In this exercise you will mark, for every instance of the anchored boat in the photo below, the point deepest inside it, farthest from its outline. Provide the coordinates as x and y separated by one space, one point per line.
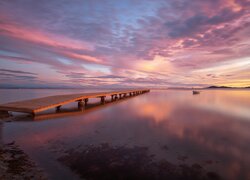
196 92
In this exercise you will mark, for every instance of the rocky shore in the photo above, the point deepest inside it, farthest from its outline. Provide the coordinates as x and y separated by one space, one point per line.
16 165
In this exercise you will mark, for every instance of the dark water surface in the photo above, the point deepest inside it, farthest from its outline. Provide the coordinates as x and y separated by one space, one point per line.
158 135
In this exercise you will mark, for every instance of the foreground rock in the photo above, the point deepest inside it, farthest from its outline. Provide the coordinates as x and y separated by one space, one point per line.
15 164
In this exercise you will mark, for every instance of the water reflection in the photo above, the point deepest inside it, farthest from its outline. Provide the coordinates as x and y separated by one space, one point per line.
210 131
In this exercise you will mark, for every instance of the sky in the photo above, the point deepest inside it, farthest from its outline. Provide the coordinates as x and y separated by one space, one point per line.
125 43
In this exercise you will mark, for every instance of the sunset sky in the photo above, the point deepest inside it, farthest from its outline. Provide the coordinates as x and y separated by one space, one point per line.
124 43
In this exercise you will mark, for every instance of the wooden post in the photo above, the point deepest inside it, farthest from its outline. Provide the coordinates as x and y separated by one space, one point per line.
102 99
112 97
58 108
4 114
86 101
80 103
120 96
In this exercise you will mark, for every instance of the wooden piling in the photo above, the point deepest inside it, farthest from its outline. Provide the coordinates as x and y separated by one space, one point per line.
58 108
102 99
86 101
80 103
4 114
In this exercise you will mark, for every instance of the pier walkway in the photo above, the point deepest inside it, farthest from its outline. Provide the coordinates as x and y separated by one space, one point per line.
34 106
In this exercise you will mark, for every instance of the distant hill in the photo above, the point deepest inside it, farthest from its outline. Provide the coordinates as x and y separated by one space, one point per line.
214 87
217 87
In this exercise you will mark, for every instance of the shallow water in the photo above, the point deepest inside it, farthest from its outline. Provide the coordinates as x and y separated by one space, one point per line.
156 135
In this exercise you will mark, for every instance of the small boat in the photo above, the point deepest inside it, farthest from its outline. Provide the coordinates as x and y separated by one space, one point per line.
196 92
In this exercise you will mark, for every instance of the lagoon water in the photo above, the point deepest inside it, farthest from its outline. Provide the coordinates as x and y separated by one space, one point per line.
164 133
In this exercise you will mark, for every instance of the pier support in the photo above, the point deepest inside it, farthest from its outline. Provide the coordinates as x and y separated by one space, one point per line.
120 96
86 101
114 97
33 114
58 108
80 103
102 99
4 114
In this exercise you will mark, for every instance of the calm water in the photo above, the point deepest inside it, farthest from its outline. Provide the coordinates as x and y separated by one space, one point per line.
156 135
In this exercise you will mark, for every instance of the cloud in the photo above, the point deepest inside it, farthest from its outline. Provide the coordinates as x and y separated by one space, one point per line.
111 77
16 75
96 43
16 72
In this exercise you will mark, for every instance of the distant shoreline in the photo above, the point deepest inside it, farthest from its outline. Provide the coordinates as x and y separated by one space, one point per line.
226 87
210 87
167 88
